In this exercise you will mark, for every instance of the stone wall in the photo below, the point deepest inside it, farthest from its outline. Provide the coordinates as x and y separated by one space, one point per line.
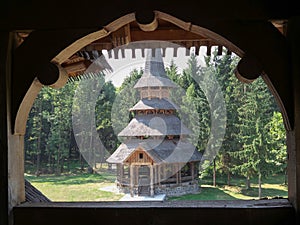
191 187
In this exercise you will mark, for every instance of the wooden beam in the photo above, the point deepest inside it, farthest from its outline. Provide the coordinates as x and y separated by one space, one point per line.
127 33
121 36
236 212
293 37
166 35
5 46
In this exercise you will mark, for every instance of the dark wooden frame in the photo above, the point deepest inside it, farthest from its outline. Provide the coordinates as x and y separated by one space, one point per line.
186 212
240 22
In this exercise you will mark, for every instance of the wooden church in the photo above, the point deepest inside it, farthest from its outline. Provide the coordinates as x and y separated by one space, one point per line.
156 156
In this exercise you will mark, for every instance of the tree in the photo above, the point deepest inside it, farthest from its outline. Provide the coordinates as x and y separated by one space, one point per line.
37 130
255 114
126 97
276 140
223 67
60 133
189 96
103 113
86 115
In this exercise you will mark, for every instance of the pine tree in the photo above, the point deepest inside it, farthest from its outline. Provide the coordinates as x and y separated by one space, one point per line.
58 141
126 97
85 118
276 141
254 115
103 113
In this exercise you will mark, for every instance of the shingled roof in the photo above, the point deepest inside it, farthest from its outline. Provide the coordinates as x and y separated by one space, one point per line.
32 194
154 74
160 125
161 151
155 103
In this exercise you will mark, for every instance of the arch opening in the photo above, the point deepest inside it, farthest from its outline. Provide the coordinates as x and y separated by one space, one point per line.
70 51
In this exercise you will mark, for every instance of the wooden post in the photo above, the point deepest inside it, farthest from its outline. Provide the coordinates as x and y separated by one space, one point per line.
159 174
151 181
176 166
192 170
293 136
131 179
122 170
4 53
15 153
155 174
136 180
164 172
179 173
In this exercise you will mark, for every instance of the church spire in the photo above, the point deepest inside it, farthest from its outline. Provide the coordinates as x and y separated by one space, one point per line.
154 73
154 65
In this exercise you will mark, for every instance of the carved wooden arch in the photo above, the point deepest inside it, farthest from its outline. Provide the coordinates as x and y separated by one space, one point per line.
24 108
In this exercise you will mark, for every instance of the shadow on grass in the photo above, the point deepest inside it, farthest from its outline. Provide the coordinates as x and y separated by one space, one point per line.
206 193
240 181
71 179
266 192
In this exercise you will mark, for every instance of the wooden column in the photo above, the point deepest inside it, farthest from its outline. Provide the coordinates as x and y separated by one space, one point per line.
121 178
155 174
179 173
151 181
15 155
131 180
159 166
5 42
192 170
164 172
176 166
293 136
136 180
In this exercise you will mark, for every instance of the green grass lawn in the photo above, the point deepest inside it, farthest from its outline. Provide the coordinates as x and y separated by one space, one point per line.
87 187
79 187
272 187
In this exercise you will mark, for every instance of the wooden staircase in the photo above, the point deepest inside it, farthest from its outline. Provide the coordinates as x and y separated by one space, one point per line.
144 190
144 187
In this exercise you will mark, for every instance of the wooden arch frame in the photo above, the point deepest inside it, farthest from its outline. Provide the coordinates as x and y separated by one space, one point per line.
58 59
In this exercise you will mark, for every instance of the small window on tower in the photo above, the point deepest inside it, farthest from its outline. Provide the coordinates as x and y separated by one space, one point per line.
141 156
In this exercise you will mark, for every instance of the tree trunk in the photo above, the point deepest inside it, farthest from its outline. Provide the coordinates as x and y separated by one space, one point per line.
90 170
58 160
214 173
38 146
228 178
81 162
259 185
285 177
248 184
38 155
57 170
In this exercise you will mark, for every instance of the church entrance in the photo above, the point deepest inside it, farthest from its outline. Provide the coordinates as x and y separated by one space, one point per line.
144 181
